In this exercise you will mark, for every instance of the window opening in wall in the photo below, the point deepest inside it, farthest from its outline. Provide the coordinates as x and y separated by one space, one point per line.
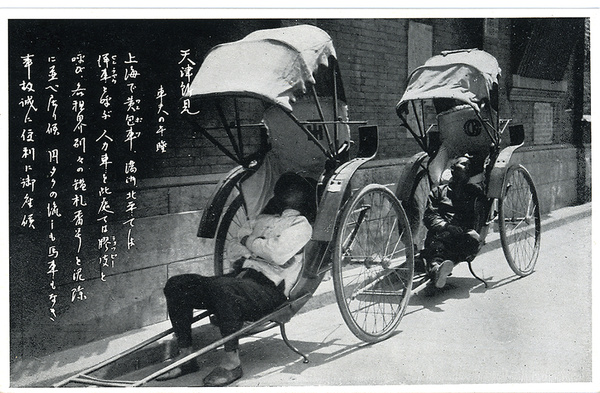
491 28
420 44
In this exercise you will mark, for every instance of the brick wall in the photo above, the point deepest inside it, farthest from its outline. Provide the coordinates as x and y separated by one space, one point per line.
130 296
372 57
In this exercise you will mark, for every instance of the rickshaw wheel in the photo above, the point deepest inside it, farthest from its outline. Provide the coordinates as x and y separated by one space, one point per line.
227 241
373 263
415 208
519 221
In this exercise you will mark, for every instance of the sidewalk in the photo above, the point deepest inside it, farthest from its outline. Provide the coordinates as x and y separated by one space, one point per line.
45 371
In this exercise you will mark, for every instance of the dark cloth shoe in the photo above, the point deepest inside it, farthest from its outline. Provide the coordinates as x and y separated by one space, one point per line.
222 377
186 368
441 272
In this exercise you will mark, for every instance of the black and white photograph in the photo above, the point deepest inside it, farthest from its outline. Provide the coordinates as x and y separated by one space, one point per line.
332 199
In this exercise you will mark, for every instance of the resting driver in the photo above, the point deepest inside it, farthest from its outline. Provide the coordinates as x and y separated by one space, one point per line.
451 218
268 273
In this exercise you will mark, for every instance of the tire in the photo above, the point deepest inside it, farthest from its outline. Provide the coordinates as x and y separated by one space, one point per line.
372 268
415 208
227 241
519 221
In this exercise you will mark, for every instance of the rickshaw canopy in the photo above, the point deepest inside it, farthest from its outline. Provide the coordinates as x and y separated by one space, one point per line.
274 65
465 75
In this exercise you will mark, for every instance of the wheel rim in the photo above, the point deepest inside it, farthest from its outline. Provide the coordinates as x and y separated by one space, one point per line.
520 227
373 269
227 246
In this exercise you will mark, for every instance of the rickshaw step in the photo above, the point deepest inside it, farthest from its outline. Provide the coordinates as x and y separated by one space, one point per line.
381 293
419 281
89 380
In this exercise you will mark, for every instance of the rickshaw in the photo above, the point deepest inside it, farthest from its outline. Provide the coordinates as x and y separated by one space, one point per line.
451 108
274 102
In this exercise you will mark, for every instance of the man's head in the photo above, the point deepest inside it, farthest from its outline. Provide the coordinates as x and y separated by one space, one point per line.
292 191
461 170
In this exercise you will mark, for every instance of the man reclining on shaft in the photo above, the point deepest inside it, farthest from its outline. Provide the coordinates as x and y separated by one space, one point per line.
451 217
275 260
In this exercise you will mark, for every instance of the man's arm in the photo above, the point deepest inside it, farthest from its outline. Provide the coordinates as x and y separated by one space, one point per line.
432 217
281 248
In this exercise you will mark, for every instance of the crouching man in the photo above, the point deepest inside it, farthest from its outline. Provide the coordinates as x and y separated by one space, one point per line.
451 216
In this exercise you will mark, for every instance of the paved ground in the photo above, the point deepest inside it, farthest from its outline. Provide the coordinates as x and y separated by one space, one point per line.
534 330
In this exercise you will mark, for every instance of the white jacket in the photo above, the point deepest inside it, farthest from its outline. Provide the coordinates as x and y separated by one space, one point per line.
275 244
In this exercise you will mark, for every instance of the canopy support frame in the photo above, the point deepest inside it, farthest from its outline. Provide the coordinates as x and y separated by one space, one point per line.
419 138
238 125
215 142
322 116
234 144
335 109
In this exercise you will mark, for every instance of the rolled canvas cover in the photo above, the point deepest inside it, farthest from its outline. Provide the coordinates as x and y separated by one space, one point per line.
274 65
465 75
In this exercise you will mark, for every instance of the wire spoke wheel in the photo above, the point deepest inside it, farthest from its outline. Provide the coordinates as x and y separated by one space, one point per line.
373 264
519 221
227 245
